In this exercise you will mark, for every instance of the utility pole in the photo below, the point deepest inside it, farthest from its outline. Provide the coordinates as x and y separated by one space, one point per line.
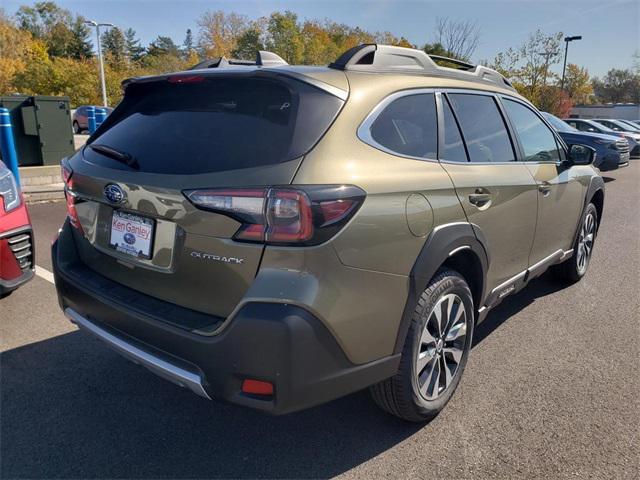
102 82
566 49
547 59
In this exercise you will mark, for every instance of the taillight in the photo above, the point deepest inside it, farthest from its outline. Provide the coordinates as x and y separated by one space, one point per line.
66 172
306 215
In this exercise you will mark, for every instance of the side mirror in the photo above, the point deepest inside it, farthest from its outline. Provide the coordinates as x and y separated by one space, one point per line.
581 154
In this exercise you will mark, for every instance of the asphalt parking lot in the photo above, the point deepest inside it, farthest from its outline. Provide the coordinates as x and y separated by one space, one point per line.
551 390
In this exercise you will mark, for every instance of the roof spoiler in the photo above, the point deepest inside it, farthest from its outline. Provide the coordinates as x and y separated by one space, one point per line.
263 59
372 57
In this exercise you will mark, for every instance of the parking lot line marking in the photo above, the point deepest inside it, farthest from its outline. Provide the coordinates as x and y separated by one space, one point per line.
45 274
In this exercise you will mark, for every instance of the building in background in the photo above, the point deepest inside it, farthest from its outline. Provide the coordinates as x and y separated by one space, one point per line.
626 111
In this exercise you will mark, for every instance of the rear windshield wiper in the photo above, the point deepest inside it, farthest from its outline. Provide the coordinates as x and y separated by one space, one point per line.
115 154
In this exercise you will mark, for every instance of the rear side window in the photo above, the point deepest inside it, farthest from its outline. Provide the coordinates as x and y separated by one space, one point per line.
483 128
216 124
408 126
453 148
537 141
611 125
583 127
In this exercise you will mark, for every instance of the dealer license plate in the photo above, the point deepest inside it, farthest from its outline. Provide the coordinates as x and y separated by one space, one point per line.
131 234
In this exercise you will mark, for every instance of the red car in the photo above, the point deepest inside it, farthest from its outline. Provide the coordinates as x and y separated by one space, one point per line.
17 264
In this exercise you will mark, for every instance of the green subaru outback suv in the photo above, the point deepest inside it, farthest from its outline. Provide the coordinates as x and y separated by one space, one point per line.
279 236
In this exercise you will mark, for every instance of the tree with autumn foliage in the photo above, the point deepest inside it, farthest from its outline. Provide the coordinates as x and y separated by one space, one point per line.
577 84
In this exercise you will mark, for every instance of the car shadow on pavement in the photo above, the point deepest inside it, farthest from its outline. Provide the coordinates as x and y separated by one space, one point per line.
72 408
542 286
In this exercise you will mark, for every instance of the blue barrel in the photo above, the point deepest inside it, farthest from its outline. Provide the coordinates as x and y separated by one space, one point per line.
91 119
7 144
101 114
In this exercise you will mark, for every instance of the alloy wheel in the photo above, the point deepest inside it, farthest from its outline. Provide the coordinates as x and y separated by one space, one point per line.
441 347
585 242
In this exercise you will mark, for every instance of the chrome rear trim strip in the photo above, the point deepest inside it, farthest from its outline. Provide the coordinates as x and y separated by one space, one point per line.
155 364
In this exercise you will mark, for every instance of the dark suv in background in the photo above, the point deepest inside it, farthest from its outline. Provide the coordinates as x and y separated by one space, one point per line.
278 236
593 126
612 151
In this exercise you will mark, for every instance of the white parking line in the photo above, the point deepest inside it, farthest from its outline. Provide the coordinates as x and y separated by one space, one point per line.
45 274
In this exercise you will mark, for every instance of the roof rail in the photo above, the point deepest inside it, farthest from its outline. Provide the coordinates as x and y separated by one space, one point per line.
263 59
391 59
455 61
269 59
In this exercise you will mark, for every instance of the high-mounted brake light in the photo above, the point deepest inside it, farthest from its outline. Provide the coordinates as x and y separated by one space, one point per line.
185 79
307 215
66 172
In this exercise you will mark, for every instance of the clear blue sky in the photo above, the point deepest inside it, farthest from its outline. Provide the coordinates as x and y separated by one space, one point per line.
610 28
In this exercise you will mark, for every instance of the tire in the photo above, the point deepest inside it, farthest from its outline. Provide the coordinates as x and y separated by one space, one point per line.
573 269
76 128
5 295
416 393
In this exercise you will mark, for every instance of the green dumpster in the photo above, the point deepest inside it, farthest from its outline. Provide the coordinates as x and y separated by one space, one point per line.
41 127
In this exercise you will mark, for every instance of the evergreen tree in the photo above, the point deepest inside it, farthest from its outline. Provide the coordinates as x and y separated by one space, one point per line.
135 51
114 45
80 46
163 46
187 46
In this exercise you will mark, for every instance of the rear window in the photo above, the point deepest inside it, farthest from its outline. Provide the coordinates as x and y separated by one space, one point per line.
408 126
220 123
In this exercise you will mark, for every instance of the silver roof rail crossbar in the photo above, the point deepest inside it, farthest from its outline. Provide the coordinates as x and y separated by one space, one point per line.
391 59
455 61
269 59
374 57
263 59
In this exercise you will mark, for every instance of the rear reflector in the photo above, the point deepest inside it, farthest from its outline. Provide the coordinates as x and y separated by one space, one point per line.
306 215
257 387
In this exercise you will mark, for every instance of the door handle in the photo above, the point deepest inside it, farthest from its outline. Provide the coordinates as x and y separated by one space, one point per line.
480 198
544 188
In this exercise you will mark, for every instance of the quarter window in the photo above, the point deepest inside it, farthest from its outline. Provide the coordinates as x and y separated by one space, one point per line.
483 128
537 141
453 148
408 126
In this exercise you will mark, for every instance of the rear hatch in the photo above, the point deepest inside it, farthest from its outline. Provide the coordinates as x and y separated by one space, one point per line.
174 134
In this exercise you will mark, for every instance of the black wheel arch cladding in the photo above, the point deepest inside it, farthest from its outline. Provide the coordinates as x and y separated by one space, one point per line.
434 254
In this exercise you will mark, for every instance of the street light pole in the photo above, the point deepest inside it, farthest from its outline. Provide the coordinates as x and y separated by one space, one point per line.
102 81
566 49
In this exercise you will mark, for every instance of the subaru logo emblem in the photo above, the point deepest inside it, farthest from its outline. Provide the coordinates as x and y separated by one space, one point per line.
113 193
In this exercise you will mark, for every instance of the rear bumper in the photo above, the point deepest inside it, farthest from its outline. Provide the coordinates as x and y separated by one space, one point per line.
274 342
7 286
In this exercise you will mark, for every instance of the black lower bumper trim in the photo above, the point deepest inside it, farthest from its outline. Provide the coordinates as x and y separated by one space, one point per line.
7 286
278 343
